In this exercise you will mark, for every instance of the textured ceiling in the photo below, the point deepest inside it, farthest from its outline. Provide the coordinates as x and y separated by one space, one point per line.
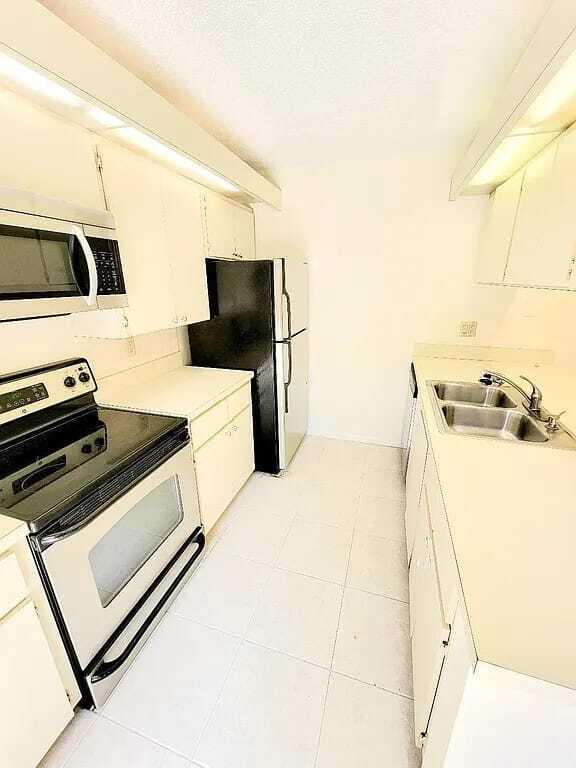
306 82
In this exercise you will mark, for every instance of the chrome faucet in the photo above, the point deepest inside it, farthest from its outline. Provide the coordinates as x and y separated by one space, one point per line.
533 399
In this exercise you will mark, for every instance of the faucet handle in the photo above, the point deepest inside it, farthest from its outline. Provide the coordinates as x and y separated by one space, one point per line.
552 424
535 395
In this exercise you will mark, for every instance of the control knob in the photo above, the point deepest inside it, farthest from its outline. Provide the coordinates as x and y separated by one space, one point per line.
84 377
86 448
69 381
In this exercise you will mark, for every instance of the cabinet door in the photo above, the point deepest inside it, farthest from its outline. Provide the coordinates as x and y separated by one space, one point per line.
448 577
430 633
223 465
415 477
183 221
498 230
244 238
458 665
219 227
544 236
133 187
42 153
34 708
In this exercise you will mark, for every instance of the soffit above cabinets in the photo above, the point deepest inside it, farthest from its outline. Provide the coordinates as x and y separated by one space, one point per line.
537 104
49 62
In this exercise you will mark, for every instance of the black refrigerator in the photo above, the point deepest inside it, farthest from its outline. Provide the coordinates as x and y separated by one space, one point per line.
259 322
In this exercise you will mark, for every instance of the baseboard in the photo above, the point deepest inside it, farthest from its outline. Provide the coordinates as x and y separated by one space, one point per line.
367 439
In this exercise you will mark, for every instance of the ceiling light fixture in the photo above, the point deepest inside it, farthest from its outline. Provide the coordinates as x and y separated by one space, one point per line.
36 82
105 119
556 96
155 147
511 155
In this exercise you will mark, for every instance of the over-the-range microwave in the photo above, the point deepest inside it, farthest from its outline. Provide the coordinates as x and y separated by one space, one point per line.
56 258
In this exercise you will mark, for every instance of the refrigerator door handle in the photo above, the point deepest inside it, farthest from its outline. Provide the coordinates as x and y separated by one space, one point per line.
286 295
287 383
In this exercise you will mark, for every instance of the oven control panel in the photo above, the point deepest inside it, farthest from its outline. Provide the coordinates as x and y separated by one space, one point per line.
33 391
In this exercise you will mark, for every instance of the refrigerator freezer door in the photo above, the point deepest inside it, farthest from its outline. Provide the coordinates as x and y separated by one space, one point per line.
292 387
290 297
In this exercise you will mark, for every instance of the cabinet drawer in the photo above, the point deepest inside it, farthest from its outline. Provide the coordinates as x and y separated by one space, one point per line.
448 577
209 423
239 400
12 585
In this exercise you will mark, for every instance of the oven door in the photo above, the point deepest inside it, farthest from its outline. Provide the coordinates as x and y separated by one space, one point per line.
47 267
100 571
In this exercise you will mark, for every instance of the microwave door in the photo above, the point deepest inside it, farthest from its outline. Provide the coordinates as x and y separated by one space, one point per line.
46 267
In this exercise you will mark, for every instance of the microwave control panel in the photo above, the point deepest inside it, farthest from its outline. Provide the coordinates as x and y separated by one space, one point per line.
34 391
108 266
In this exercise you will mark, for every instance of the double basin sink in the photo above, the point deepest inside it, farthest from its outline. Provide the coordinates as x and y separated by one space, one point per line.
491 411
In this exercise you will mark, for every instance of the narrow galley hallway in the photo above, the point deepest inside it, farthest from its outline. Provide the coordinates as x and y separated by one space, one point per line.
289 647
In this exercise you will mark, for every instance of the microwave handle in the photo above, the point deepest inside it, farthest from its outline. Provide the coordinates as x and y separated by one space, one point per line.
90 263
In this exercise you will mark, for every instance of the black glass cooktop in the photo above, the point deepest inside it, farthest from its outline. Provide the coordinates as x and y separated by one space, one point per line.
44 472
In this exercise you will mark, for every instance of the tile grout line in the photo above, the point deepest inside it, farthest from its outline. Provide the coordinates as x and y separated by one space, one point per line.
317 754
80 741
144 736
236 655
216 702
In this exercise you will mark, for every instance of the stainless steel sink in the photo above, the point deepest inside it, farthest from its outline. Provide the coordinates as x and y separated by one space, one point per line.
505 424
478 394
482 410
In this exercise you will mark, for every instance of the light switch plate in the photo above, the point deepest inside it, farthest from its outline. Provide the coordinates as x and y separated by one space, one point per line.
467 328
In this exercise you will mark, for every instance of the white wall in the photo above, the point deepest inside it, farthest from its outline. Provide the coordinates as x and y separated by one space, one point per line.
392 263
30 343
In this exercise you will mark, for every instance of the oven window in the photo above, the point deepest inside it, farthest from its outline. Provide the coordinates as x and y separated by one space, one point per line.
39 264
135 537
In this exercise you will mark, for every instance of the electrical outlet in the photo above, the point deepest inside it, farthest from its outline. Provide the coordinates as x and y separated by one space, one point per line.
467 328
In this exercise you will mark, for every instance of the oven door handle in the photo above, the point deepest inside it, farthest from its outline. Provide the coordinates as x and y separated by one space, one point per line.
106 668
90 263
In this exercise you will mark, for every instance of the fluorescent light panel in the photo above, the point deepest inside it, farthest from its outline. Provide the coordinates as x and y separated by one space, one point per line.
33 80
558 96
155 147
28 77
105 119
511 155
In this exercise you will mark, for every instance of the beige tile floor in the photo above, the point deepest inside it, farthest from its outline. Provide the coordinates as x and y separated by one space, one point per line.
289 646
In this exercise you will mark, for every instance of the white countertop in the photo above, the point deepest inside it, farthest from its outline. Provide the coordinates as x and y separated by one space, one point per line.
185 391
512 514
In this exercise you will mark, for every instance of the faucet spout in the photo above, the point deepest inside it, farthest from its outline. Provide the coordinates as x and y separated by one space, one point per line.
533 399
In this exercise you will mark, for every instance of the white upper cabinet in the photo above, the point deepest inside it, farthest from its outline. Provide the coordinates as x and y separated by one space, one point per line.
133 187
530 233
244 238
544 240
228 228
498 229
42 153
183 222
159 223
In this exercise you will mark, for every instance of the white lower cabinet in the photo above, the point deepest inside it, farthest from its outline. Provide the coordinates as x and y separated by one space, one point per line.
428 629
458 665
415 477
34 708
467 712
225 460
